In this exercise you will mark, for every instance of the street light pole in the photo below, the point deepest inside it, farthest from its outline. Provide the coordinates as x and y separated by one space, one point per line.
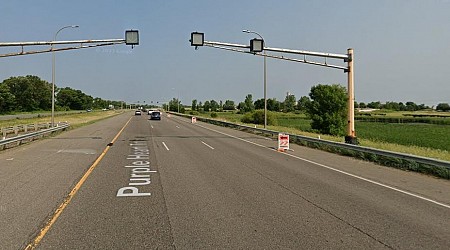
53 72
265 77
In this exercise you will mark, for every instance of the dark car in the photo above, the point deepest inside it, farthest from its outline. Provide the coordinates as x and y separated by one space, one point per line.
155 115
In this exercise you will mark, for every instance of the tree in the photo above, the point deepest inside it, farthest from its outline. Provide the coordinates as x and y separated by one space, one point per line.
259 104
248 104
206 106
174 104
229 105
392 106
30 92
273 105
194 105
73 99
214 106
241 106
411 106
303 103
7 100
289 103
328 109
443 107
374 105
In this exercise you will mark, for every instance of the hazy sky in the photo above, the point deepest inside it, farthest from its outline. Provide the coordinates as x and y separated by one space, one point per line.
402 47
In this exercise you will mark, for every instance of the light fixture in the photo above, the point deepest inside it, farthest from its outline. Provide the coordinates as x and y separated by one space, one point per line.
197 39
132 37
256 45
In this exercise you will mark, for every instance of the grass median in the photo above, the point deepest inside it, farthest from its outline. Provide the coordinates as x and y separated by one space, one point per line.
75 120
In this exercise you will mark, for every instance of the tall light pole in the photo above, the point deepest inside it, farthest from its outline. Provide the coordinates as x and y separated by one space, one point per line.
53 72
265 76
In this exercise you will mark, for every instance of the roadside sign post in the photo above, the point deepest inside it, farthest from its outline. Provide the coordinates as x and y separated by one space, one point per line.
283 142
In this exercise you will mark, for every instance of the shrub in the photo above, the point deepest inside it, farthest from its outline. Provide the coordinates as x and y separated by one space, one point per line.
257 117
213 114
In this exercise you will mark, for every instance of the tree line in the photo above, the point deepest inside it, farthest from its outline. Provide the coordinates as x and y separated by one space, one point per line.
326 106
291 104
30 93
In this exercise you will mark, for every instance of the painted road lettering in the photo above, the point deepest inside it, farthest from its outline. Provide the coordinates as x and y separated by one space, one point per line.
139 170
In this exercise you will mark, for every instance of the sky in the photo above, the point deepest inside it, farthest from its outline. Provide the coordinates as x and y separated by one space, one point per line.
401 47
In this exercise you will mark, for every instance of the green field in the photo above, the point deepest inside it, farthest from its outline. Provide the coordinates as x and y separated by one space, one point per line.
422 135
409 134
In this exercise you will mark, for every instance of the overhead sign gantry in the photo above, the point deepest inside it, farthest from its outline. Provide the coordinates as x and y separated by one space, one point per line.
257 46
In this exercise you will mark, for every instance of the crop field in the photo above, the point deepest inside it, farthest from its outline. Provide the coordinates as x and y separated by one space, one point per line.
424 135
300 123
408 134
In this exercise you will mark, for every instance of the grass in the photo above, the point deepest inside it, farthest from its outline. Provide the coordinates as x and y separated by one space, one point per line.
407 134
75 120
427 140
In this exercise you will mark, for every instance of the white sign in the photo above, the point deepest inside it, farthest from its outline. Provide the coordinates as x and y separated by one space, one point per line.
283 142
194 119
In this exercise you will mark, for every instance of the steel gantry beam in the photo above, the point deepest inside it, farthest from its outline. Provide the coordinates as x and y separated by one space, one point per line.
82 45
197 39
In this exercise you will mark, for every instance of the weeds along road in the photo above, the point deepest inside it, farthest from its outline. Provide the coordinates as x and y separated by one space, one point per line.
171 184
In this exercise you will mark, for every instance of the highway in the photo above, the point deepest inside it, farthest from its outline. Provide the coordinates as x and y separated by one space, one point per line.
131 183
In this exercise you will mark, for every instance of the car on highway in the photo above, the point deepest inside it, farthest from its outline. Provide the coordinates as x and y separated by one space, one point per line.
155 115
137 112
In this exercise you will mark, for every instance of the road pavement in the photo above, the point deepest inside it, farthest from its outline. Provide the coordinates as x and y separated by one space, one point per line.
171 184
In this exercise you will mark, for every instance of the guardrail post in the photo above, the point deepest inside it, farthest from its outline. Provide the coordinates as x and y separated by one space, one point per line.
16 130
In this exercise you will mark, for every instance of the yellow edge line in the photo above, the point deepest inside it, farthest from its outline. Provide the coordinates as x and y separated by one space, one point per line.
72 193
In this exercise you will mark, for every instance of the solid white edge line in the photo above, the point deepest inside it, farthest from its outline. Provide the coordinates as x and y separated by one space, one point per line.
165 146
204 143
337 170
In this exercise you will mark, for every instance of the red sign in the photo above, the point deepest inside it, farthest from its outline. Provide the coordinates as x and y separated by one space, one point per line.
283 142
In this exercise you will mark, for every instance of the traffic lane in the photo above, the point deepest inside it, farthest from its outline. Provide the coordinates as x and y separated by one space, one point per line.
220 205
436 219
214 204
416 183
37 176
346 200
97 218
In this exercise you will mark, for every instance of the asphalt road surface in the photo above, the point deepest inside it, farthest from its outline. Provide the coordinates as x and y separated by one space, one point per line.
131 183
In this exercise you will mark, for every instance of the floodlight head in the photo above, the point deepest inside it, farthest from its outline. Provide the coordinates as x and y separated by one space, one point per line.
197 39
256 45
132 37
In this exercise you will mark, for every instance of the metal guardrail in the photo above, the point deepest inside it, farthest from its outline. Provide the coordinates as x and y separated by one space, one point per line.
4 132
340 145
19 139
